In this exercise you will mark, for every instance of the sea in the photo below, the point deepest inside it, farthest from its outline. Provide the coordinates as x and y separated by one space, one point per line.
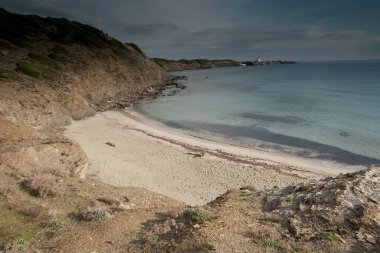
320 110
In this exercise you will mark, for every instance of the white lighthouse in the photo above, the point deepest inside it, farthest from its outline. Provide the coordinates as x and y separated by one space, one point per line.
258 60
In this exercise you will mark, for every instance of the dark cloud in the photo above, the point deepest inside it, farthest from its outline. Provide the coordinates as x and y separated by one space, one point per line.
241 29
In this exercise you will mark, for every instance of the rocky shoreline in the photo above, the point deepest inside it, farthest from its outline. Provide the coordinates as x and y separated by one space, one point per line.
151 92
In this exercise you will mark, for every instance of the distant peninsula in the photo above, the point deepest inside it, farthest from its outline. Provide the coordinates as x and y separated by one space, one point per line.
184 64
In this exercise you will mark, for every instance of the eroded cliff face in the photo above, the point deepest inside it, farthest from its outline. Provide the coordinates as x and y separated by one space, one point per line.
53 71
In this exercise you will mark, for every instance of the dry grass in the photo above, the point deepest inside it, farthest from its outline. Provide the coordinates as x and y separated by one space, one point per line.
33 211
46 182
108 201
272 218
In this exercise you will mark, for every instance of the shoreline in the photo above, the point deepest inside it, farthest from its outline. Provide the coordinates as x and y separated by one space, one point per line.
125 149
224 149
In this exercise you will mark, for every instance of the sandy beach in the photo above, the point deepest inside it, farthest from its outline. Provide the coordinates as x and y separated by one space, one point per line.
127 149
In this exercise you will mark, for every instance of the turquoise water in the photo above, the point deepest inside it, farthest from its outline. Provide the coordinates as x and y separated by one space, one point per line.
327 110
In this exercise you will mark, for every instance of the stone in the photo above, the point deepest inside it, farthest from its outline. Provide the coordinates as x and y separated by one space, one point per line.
370 238
359 236
196 226
246 191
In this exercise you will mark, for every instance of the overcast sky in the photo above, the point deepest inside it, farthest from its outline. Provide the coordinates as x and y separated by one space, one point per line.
237 29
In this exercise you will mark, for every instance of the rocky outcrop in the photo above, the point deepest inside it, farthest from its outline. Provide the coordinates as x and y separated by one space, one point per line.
178 65
347 206
333 215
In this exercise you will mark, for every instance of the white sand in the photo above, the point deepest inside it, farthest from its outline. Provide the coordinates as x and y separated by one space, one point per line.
150 155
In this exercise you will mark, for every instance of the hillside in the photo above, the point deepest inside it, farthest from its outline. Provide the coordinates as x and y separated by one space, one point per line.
54 71
178 65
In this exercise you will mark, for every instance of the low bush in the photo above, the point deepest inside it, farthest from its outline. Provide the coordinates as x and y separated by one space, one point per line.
28 69
94 214
5 73
58 57
54 224
42 59
270 243
199 214
45 182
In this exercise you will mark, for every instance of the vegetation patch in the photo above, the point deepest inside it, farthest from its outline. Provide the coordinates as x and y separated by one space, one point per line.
34 71
5 73
199 214
54 224
58 57
210 247
59 53
70 32
16 226
45 183
330 236
48 73
28 69
42 59
270 243
94 214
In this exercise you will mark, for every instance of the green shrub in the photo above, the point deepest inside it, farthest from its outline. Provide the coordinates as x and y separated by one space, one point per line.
199 214
330 236
21 243
5 73
35 71
41 59
48 73
54 224
58 57
210 247
94 214
269 243
28 69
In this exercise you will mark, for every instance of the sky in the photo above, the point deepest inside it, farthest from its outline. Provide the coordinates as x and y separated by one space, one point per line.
299 30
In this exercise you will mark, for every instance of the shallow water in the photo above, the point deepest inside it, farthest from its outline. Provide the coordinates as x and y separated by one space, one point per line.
327 110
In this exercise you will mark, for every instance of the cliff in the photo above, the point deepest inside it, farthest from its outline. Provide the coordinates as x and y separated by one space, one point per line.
178 65
64 69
